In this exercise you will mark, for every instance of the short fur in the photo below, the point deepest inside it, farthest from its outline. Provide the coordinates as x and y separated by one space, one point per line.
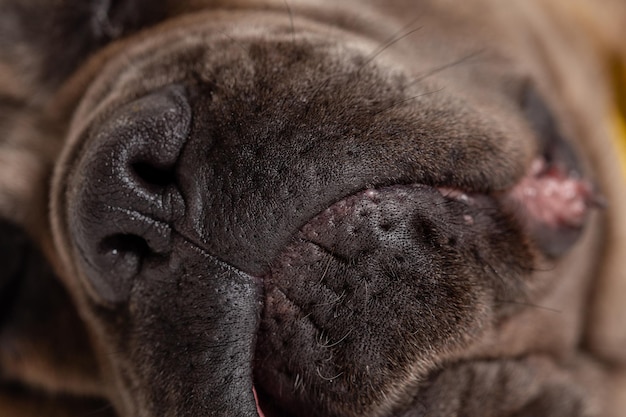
202 197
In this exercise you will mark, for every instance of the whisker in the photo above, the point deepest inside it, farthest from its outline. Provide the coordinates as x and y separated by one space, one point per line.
330 345
393 39
320 87
326 378
400 102
293 28
335 301
444 67
526 304
233 40
325 269
396 37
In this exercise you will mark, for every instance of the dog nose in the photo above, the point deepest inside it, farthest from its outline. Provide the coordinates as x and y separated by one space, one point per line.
125 191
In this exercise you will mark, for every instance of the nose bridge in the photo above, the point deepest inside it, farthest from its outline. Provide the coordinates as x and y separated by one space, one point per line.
248 189
257 167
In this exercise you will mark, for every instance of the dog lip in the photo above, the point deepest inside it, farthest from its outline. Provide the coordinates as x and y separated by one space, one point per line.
256 400
385 221
265 408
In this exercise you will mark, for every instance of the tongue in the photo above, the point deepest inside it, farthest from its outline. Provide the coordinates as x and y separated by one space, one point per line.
556 203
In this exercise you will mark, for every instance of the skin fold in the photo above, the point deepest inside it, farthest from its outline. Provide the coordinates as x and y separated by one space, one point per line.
311 208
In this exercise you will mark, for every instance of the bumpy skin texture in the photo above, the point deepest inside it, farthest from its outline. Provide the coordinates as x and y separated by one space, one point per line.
299 208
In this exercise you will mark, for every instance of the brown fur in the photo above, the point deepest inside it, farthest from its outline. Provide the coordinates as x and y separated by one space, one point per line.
556 349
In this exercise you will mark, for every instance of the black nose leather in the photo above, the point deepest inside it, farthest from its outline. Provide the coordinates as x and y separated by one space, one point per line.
126 196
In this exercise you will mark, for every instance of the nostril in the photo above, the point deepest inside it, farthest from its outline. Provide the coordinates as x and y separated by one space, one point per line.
123 196
152 175
124 254
119 258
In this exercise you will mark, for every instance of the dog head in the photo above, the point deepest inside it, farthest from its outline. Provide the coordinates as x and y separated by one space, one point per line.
295 213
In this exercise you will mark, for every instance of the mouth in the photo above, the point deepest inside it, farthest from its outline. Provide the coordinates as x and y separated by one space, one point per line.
259 410
549 206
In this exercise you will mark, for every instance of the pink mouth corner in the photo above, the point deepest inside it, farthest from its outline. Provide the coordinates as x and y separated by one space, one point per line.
256 400
554 197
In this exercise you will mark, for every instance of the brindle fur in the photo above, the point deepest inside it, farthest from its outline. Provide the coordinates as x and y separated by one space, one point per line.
526 336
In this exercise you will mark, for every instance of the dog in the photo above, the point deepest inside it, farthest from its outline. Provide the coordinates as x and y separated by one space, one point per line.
312 208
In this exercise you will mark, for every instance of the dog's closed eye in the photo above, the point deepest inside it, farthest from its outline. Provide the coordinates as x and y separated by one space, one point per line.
555 196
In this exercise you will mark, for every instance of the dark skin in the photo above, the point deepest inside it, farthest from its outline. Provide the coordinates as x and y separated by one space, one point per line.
232 211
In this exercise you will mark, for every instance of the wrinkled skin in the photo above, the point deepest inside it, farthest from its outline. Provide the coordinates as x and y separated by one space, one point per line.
289 211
